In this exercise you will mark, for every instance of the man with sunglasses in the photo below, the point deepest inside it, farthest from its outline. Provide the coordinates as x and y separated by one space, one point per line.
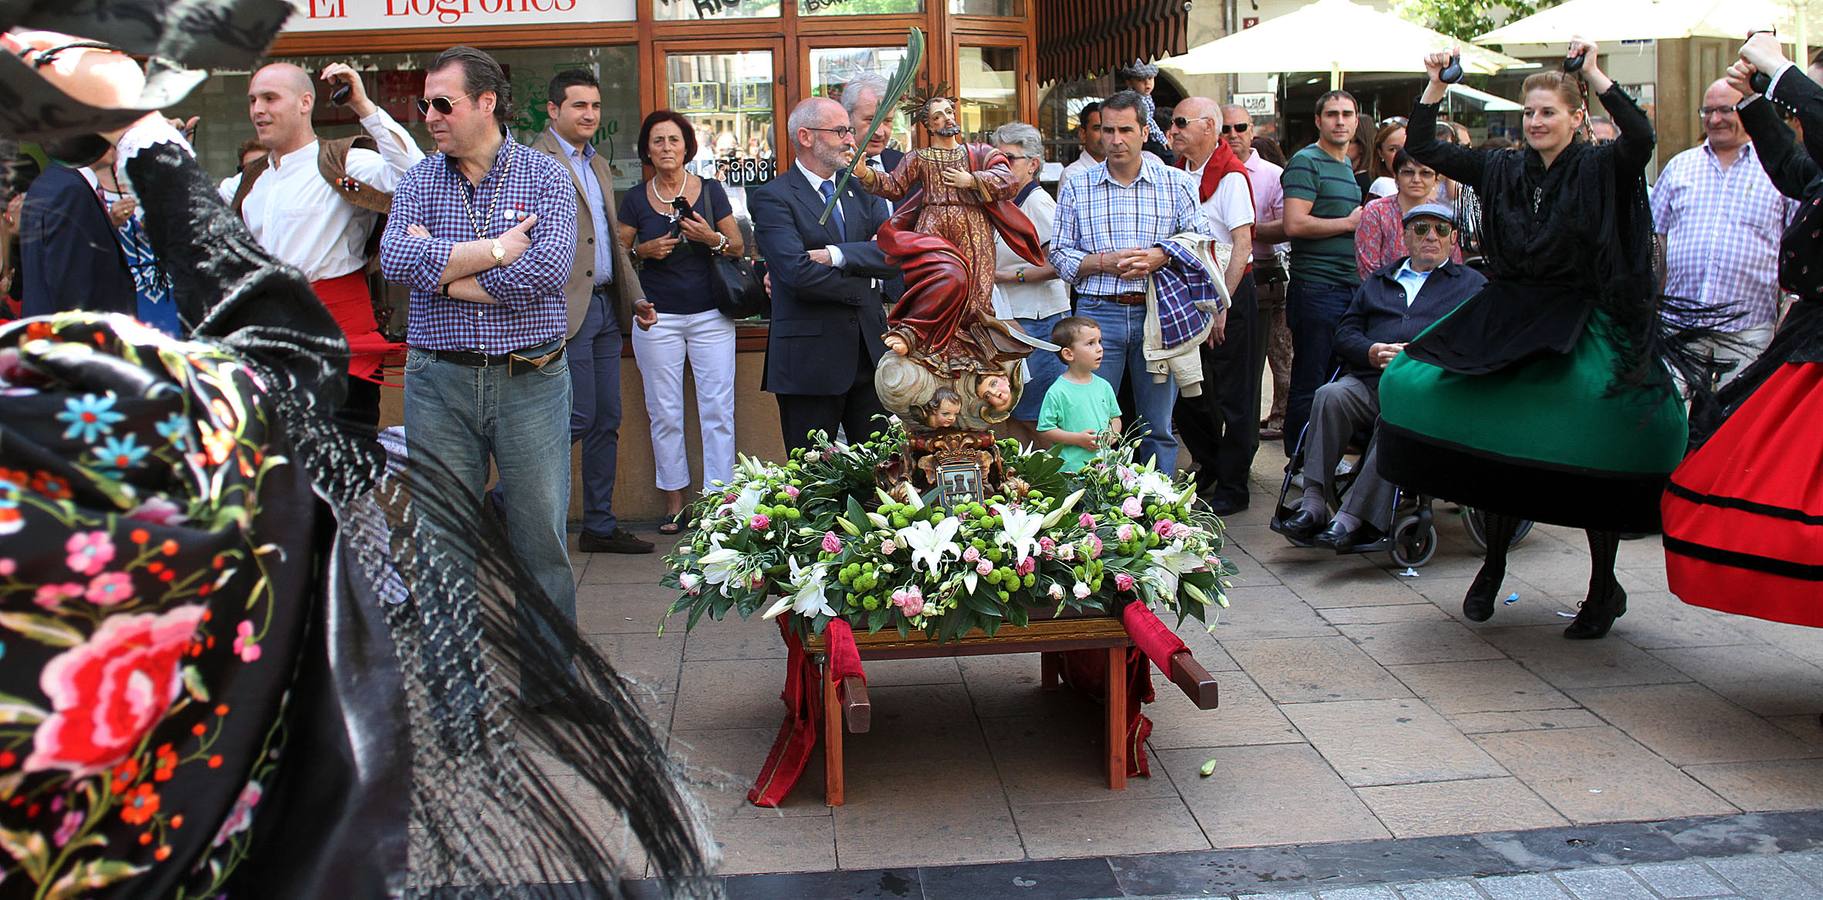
1269 254
485 233
1389 309
1221 426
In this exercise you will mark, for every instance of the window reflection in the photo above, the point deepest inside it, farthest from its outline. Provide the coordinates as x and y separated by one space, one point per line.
987 7
832 69
989 88
713 10
858 7
728 98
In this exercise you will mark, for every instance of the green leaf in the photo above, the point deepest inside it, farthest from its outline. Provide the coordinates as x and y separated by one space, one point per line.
982 605
29 849
193 682
93 874
856 512
877 618
43 629
19 711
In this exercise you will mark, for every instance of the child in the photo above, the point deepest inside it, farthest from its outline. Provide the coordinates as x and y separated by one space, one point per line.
1079 411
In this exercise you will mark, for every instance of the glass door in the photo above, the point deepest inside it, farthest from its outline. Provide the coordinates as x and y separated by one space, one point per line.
731 95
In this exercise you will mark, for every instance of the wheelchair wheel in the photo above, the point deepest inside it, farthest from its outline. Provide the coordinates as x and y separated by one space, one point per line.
1474 521
1414 542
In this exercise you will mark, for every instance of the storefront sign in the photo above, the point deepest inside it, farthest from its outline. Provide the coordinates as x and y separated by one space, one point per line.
1262 104
349 15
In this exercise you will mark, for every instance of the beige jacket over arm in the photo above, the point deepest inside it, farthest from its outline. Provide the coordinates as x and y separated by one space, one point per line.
582 272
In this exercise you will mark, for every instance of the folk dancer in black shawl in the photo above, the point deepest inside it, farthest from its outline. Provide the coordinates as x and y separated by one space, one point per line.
1744 513
1544 397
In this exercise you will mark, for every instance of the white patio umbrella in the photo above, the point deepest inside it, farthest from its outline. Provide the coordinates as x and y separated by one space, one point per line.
1336 36
1638 20
1483 99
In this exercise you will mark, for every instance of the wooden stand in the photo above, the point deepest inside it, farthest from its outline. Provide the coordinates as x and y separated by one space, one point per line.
847 704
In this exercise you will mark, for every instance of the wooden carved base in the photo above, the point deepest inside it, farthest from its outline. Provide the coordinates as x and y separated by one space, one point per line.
960 465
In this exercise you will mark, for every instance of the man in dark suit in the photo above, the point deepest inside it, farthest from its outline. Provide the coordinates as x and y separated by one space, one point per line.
68 252
827 303
861 100
1389 308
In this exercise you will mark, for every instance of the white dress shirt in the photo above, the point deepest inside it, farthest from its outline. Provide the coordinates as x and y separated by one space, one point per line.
1230 207
300 218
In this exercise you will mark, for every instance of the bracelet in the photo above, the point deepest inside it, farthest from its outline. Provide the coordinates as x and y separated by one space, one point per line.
723 245
1019 275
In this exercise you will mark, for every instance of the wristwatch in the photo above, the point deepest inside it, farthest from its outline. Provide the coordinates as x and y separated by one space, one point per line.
499 252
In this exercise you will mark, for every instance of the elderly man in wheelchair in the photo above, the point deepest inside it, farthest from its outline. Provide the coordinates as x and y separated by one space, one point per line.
1391 307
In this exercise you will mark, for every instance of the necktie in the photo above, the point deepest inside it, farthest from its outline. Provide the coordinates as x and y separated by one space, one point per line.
828 191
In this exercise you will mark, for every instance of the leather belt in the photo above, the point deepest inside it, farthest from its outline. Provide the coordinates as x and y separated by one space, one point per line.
477 360
1131 298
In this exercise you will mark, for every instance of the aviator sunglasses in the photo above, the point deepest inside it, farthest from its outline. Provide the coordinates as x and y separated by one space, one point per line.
1423 229
443 105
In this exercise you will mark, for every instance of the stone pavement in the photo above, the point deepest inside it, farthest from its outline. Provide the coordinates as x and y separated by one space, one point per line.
1357 705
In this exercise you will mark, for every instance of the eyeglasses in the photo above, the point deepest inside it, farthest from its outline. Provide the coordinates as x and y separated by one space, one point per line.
1707 111
443 105
1409 172
843 131
1181 123
1423 229
1236 128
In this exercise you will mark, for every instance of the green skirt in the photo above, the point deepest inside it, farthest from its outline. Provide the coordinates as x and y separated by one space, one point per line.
1546 438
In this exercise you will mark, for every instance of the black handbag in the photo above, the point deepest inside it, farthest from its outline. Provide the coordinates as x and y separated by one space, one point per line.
738 291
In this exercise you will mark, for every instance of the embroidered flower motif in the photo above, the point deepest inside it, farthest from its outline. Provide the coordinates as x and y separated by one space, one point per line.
72 821
244 644
218 443
120 452
107 692
158 511
139 805
11 519
89 417
176 430
241 815
110 589
89 552
52 486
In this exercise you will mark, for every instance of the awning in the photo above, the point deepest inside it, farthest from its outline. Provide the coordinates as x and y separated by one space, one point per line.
1080 38
1482 99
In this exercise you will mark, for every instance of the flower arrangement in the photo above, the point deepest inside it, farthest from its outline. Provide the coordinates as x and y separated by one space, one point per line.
815 536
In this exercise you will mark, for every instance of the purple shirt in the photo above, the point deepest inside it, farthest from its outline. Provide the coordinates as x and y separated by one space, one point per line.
531 308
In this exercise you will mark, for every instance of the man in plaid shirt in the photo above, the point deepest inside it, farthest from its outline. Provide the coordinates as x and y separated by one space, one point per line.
1111 216
484 232
1719 218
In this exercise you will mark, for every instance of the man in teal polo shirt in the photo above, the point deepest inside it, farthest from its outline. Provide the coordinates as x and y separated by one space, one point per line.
1322 208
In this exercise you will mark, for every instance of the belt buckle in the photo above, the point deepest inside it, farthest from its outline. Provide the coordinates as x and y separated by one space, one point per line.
514 361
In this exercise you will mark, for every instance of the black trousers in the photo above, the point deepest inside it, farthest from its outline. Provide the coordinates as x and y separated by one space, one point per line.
854 411
1221 428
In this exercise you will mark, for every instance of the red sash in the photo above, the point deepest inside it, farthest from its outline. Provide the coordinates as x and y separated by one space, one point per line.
1222 164
348 301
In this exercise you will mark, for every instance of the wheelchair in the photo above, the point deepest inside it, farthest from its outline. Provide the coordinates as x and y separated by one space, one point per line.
1412 541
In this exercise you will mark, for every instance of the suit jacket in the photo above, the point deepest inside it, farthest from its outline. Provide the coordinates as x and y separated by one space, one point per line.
582 272
826 322
890 157
1788 165
69 253
1378 315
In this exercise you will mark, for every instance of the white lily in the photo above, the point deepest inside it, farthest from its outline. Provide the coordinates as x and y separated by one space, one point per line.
720 564
745 503
1156 484
807 597
1018 531
1056 515
931 543
1171 562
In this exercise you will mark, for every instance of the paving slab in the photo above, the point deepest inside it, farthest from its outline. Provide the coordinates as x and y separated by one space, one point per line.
1372 742
1600 775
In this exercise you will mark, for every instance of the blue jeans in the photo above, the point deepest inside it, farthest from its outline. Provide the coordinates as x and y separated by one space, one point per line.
1043 365
1311 311
594 356
1123 342
462 415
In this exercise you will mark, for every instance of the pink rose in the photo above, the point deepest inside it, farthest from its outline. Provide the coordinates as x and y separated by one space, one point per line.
1086 520
241 815
110 589
729 498
1047 546
759 522
1094 546
1163 527
108 692
51 596
791 491
1123 581
831 543
970 555
90 552
1179 531
983 567
1132 508
1026 566
910 601
1056 591
1125 532
244 644
1081 591
888 548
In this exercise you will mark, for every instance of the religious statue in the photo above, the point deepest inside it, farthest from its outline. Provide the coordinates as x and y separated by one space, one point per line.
952 198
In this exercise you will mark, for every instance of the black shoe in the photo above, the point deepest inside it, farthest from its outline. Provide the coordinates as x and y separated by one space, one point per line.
621 541
1341 541
1596 616
1300 527
1478 605
1223 506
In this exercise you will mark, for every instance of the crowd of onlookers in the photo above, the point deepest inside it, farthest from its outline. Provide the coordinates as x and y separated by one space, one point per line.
526 270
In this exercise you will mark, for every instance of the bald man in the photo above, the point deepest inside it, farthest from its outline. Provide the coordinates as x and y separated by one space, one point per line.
321 228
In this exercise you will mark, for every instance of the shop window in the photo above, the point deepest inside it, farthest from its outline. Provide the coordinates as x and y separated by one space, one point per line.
987 7
989 88
714 10
395 81
729 98
831 69
858 7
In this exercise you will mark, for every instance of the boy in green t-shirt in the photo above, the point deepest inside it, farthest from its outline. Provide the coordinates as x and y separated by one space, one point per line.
1079 411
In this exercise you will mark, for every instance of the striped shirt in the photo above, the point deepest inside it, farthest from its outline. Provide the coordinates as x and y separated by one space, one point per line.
1331 189
1096 214
531 308
1722 233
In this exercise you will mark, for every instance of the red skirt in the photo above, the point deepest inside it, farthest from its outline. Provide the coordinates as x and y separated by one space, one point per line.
349 302
1744 513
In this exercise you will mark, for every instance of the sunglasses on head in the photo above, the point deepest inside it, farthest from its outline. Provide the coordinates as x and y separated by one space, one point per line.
1423 229
443 105
1236 128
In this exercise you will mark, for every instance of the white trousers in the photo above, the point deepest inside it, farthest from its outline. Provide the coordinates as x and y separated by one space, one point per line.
706 340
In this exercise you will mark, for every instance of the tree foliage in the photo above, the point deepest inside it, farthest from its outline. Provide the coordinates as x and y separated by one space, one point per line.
1464 19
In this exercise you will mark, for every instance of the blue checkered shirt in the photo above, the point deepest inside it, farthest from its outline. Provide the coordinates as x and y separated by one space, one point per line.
1722 233
531 308
1096 214
1185 293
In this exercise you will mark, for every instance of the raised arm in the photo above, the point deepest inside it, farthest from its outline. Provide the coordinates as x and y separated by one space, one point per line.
1464 164
892 185
1791 171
